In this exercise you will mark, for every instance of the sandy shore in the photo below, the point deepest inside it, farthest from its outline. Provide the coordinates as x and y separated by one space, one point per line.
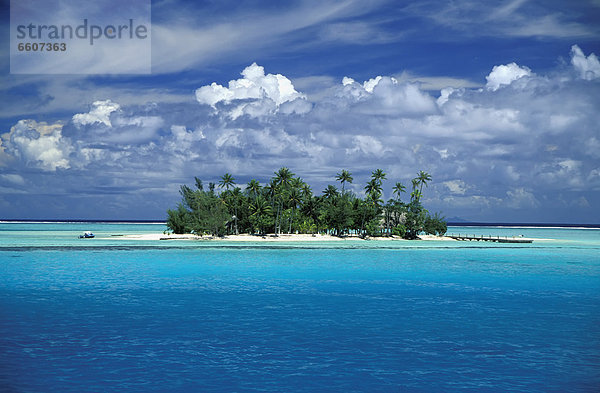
267 238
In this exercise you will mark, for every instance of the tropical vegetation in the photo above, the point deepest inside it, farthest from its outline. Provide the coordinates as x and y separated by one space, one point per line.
286 204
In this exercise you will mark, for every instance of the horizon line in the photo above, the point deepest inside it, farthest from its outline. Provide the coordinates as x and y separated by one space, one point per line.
163 221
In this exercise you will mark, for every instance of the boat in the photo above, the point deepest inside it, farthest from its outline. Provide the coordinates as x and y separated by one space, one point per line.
87 235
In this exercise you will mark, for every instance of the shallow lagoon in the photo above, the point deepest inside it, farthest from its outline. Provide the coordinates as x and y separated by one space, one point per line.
109 314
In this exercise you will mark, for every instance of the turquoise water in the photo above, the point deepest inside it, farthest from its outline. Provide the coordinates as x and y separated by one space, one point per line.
108 314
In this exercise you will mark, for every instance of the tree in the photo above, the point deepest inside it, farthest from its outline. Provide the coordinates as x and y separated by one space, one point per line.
435 225
199 184
378 175
283 176
233 200
373 187
227 181
177 219
311 208
423 178
294 198
330 192
253 188
398 189
338 213
282 179
260 211
415 194
287 201
415 219
344 177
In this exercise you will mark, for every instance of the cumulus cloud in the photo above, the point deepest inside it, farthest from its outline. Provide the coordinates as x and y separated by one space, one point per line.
106 122
366 145
386 95
38 144
520 198
254 86
588 67
99 113
486 148
13 178
503 75
456 187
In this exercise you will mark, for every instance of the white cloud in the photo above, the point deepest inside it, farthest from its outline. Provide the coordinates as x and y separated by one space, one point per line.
347 81
385 95
456 187
476 142
186 42
106 122
366 144
254 85
38 144
519 198
588 67
563 172
371 83
99 113
503 75
13 178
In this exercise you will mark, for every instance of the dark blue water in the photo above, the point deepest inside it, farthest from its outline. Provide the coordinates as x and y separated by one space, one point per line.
380 318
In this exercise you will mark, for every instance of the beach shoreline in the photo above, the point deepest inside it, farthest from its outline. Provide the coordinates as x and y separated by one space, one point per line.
269 238
288 238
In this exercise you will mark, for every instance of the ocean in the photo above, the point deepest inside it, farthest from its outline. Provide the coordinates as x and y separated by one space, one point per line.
115 315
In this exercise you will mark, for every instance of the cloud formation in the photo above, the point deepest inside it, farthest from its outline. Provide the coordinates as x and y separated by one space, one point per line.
99 113
256 94
525 142
38 145
588 67
503 75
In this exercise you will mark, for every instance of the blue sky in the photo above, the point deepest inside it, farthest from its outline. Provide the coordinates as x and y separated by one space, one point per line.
497 101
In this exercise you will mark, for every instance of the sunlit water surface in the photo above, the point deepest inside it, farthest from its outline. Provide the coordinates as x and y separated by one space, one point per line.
108 314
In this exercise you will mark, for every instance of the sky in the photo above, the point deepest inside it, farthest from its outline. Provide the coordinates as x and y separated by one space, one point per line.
498 101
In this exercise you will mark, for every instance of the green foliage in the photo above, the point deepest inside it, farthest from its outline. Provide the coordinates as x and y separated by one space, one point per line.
177 219
337 213
435 225
286 204
399 230
373 228
307 226
414 219
260 215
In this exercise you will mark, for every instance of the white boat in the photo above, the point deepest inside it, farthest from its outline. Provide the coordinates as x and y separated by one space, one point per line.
87 235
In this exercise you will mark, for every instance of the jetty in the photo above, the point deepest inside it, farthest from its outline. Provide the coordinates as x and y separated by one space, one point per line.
497 239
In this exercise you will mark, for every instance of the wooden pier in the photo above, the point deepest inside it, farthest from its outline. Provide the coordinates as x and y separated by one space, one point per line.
496 239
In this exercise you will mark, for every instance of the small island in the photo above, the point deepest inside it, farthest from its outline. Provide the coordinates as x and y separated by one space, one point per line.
286 205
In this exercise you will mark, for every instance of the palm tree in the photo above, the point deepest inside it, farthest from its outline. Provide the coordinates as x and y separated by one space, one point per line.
378 175
271 189
306 191
344 177
296 182
258 210
330 192
295 198
282 178
415 194
398 189
423 178
236 194
253 187
199 184
227 181
373 187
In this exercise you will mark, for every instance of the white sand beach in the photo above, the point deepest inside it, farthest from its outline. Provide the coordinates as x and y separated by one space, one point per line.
267 237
